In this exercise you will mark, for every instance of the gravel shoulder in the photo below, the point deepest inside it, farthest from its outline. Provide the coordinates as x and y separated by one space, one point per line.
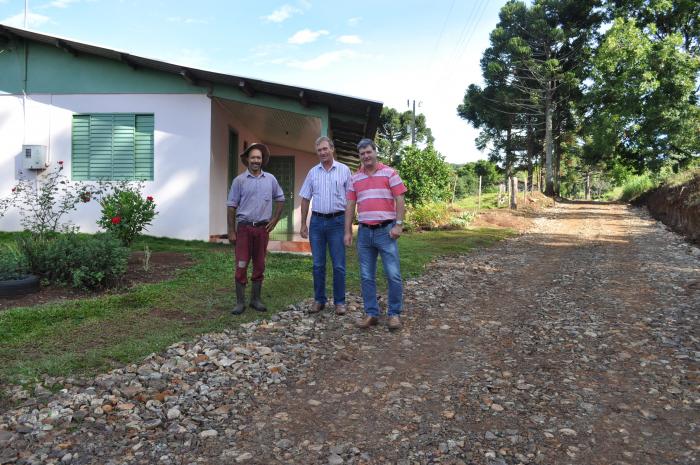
575 343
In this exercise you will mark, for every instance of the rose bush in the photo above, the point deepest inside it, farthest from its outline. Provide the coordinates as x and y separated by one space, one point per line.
125 212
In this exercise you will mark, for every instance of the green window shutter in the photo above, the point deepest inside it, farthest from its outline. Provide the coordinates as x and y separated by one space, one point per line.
123 128
112 146
143 150
80 141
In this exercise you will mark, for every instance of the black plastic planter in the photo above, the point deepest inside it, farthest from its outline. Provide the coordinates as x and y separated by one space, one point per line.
16 287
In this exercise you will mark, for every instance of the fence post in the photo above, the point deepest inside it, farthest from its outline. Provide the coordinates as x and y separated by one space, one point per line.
514 193
479 193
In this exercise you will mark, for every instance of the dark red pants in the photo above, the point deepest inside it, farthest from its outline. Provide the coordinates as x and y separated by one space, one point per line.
251 244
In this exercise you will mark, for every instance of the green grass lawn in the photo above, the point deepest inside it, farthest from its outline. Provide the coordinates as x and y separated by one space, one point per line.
488 201
90 335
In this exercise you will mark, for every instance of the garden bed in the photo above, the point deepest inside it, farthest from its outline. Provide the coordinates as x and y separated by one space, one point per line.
163 266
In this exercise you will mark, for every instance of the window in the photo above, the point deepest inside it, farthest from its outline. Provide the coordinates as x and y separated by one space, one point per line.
112 147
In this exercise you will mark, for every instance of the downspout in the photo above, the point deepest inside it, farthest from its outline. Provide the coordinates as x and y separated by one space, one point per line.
24 92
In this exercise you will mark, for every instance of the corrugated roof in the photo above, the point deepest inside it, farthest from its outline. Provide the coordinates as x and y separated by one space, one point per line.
351 118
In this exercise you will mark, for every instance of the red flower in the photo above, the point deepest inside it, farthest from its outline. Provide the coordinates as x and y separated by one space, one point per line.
149 198
85 197
116 220
60 162
14 189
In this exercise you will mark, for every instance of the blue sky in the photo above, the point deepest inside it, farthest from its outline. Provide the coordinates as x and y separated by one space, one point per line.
391 51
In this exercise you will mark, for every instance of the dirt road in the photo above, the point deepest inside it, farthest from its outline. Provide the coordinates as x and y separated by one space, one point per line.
576 343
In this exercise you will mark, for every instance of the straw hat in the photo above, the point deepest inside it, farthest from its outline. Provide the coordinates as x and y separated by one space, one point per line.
262 147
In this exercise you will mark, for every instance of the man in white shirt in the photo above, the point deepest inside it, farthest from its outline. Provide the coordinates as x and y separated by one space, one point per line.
325 190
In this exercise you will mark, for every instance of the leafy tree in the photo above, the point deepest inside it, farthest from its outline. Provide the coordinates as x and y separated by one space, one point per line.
426 175
643 97
394 132
532 70
468 177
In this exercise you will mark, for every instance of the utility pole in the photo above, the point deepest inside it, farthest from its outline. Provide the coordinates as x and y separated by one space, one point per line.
26 7
413 122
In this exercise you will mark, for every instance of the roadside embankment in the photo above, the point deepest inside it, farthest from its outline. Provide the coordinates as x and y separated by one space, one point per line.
677 206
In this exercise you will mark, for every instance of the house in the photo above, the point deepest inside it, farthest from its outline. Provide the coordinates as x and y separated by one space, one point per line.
112 115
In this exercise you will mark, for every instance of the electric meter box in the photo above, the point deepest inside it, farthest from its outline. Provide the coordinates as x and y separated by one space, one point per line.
34 157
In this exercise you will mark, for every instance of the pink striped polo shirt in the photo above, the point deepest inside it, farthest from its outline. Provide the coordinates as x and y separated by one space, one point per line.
375 194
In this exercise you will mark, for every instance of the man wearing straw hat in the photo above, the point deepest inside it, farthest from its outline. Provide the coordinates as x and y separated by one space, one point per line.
250 220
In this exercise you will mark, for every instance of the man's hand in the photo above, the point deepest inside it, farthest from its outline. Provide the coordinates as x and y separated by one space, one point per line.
232 236
347 240
271 225
304 232
396 231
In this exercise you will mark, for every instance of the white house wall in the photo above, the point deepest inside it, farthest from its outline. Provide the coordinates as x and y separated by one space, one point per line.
181 150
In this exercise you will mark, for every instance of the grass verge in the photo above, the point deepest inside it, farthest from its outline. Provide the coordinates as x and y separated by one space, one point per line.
86 336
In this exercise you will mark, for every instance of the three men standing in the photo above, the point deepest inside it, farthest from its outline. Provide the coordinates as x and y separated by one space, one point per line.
325 189
333 193
250 220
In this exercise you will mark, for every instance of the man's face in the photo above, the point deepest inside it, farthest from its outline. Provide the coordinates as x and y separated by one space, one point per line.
324 151
368 156
255 159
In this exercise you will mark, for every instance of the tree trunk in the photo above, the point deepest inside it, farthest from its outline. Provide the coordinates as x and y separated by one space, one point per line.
548 148
530 152
588 185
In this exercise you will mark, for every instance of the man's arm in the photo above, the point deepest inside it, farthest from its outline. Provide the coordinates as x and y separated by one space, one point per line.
349 215
400 202
231 221
304 214
275 216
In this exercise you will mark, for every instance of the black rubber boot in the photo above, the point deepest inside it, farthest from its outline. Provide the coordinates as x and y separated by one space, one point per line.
240 299
255 297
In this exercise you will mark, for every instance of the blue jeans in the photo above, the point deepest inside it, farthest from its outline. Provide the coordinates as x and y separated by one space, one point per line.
328 233
370 243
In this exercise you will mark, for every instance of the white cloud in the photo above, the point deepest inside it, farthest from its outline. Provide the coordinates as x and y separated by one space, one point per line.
350 39
306 36
354 21
322 61
61 3
177 19
281 14
34 20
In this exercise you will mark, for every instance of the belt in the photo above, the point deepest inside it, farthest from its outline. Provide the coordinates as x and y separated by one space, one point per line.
378 225
254 224
328 215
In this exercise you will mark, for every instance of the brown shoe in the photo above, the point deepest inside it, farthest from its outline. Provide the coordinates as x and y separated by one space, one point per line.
317 307
367 321
394 323
340 309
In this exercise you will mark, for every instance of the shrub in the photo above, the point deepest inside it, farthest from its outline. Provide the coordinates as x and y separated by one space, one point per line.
426 175
126 213
461 220
81 261
636 186
13 265
44 203
431 215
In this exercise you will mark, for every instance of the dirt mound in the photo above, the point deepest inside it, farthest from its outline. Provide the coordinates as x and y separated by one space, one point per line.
678 207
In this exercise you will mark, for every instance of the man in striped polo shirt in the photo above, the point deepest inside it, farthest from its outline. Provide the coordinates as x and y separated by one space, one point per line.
324 189
378 192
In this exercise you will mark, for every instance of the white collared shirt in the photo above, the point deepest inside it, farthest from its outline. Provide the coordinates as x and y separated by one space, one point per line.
327 189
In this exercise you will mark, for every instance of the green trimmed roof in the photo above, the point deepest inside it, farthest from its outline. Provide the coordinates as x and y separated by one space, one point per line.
349 118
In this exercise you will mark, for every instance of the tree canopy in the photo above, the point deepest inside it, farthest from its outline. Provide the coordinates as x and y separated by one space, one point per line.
561 95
